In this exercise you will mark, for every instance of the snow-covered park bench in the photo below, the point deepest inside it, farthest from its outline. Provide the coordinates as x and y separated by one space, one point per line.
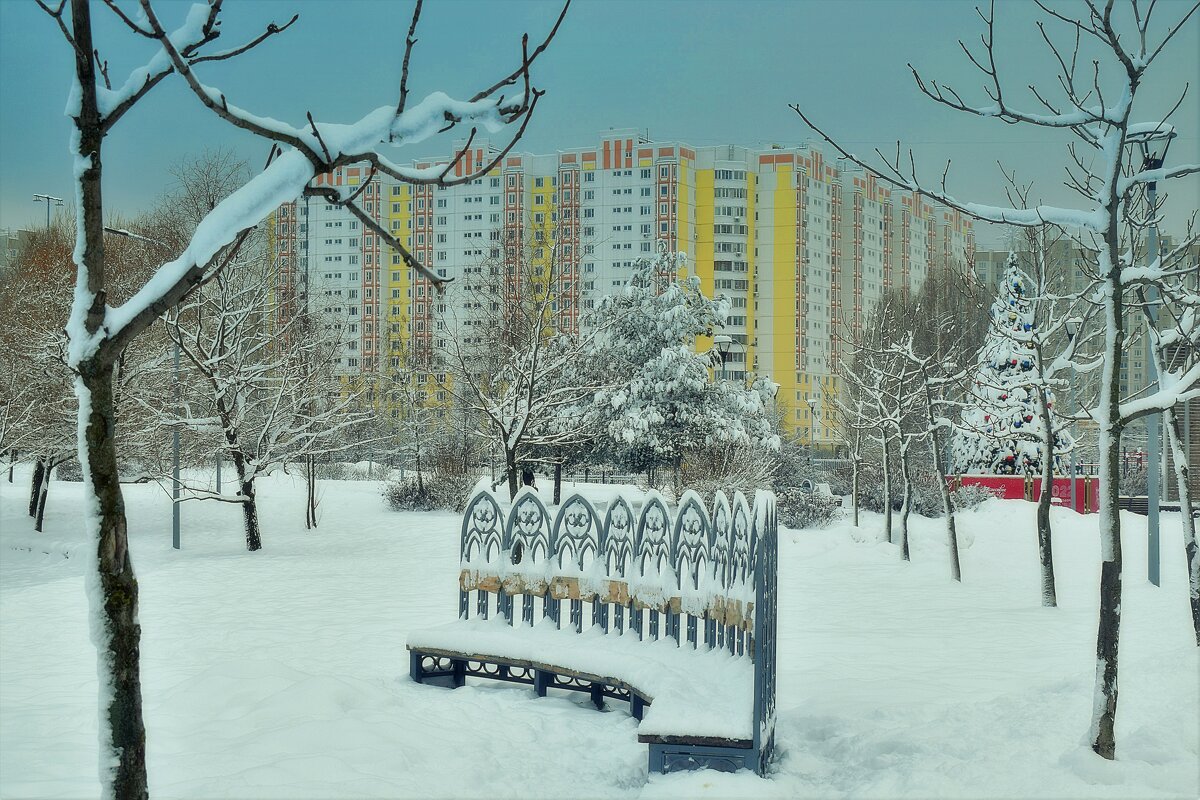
673 613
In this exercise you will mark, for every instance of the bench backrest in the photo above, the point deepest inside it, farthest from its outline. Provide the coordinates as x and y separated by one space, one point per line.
698 575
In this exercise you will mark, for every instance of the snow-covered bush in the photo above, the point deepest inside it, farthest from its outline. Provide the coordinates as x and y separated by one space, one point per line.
406 495
436 492
967 498
798 508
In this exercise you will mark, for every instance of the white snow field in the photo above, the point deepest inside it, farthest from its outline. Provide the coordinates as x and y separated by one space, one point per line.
283 673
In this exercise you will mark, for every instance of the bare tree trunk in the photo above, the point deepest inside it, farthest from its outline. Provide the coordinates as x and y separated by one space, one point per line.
1108 631
249 505
557 482
947 508
421 477
510 466
12 462
35 487
113 592
112 587
1045 541
1179 455
43 494
854 469
906 506
887 488
310 499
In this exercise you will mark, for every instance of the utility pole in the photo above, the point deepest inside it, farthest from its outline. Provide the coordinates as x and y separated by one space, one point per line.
49 200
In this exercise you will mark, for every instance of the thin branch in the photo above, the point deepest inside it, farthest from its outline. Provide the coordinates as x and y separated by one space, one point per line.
409 42
271 30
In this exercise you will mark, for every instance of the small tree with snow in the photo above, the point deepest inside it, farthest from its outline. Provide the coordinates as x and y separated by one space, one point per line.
99 333
660 401
1097 106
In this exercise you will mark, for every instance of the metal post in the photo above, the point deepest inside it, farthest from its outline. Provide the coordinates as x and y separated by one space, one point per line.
1153 420
218 473
175 459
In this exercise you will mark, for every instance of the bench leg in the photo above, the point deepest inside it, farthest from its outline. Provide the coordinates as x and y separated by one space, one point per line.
460 673
637 706
597 694
541 680
656 758
414 666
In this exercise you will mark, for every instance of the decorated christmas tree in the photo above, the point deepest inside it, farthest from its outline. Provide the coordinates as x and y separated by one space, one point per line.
1002 428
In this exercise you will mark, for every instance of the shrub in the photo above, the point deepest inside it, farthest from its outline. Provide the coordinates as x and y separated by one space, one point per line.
444 492
798 508
966 498
405 495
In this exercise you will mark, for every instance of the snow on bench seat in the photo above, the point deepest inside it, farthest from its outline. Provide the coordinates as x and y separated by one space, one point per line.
693 694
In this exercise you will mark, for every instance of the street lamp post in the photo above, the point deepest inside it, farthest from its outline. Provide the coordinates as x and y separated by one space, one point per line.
49 200
812 422
1153 144
1072 326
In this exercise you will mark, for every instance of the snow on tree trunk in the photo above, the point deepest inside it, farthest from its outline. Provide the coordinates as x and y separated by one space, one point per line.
854 469
947 506
112 592
249 506
1045 540
1179 456
888 499
1104 707
43 494
510 466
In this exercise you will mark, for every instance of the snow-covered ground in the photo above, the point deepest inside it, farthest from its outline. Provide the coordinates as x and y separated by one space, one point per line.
283 673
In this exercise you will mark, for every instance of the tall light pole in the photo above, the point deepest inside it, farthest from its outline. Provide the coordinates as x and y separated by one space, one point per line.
812 423
1153 144
1072 325
49 200
178 405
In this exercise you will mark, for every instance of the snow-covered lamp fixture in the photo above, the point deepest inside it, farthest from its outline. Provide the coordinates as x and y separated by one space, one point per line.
1072 325
1153 141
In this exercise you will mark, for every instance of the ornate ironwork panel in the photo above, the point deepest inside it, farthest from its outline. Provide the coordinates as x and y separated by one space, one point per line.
480 543
575 542
766 607
616 549
526 541
740 577
692 557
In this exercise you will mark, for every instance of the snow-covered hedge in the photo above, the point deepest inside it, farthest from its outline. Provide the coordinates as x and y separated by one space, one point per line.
799 508
439 492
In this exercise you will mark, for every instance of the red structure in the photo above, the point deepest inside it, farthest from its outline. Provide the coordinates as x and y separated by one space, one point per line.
1020 487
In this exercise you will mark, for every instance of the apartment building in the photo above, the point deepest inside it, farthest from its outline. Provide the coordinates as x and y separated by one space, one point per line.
800 244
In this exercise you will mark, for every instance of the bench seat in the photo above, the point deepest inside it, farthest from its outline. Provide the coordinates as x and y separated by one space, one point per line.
694 697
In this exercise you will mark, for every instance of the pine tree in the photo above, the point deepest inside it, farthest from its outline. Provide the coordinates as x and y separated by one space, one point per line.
1001 430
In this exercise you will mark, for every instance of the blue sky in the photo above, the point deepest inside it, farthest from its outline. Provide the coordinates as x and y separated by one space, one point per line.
705 71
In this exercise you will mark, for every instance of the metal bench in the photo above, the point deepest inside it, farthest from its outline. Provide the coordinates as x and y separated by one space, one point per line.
680 613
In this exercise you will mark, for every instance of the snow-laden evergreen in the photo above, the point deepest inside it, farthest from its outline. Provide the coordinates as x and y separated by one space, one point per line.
661 399
1002 430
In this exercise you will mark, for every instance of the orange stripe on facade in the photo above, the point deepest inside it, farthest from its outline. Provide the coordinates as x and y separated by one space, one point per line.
607 157
567 158
666 151
647 152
